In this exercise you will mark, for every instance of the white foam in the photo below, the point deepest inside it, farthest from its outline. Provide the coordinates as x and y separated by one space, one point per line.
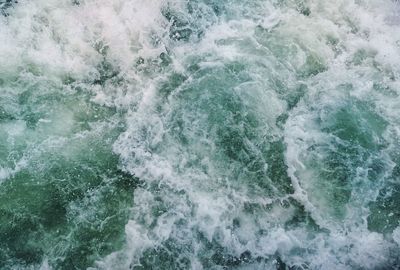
396 236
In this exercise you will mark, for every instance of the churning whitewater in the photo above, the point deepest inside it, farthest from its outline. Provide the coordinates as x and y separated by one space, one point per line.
199 134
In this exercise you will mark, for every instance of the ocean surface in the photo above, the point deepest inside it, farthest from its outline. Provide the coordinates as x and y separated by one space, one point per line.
199 134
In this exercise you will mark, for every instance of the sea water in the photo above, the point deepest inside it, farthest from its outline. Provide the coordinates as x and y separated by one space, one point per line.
199 134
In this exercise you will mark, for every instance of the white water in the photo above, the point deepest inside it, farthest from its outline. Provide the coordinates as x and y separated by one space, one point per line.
205 122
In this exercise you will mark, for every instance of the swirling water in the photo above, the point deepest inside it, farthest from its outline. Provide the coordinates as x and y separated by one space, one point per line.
199 134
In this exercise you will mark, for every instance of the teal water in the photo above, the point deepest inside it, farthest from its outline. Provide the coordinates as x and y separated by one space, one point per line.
199 134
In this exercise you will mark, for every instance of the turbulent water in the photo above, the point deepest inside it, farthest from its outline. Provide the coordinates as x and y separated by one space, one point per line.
199 134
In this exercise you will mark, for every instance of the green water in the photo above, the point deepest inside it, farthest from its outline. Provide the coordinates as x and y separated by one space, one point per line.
199 134
64 196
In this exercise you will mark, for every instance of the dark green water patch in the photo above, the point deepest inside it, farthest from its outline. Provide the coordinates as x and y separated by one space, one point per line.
350 155
232 120
73 211
63 198
385 212
358 124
